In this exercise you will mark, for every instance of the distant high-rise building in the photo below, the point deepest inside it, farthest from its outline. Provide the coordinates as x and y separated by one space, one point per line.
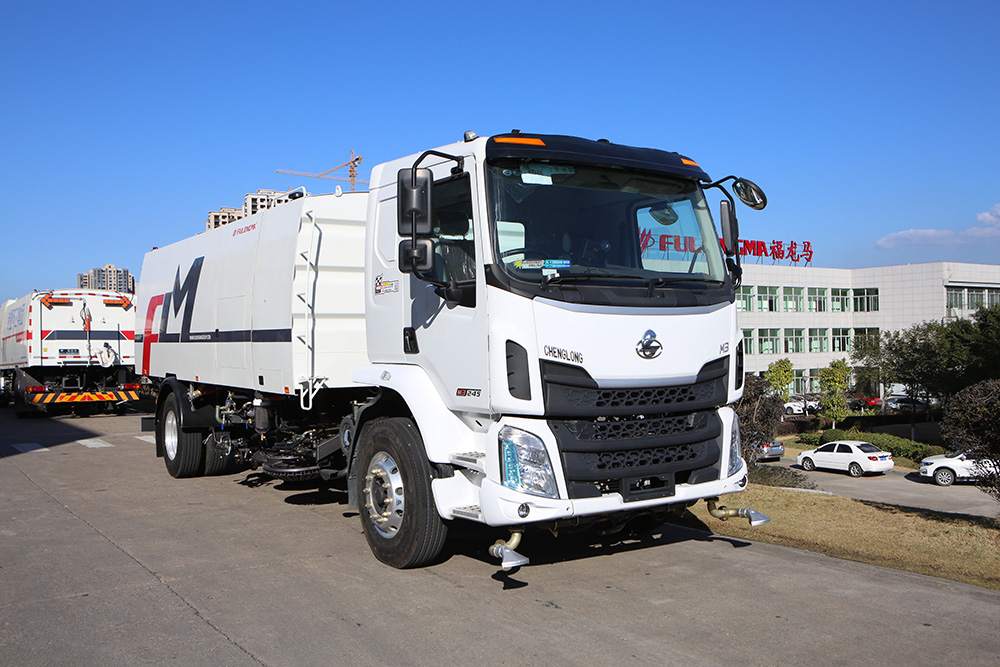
266 199
223 216
253 202
107 278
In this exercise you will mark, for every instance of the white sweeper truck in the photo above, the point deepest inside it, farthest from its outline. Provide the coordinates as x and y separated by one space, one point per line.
519 330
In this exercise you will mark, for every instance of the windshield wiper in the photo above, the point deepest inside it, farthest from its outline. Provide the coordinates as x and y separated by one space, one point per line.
559 278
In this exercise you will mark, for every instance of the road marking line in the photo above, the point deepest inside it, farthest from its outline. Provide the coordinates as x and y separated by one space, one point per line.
94 443
25 447
151 439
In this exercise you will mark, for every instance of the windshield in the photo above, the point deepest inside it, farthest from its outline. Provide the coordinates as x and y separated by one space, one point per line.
868 448
556 223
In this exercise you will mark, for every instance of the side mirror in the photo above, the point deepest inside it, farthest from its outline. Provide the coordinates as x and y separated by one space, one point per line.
730 228
416 255
750 193
413 197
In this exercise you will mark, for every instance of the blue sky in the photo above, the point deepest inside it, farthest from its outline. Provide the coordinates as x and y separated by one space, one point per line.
873 127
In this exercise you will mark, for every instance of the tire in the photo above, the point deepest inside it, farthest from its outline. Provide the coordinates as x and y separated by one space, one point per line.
944 477
855 470
216 462
395 501
789 411
808 465
183 451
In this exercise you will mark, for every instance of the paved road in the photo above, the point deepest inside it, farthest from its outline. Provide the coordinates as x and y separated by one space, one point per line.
105 560
903 487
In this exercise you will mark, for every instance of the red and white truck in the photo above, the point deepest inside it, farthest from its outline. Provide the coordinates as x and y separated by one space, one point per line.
68 350
514 330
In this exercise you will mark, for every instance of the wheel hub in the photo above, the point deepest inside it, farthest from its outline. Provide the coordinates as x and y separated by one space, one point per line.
170 436
384 495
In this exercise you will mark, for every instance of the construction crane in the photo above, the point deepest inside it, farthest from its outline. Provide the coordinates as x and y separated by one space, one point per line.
352 172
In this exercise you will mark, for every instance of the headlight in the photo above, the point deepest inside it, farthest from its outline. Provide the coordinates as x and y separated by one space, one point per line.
525 463
735 460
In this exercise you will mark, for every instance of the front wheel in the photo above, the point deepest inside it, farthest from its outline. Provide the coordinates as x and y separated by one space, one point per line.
396 504
183 451
808 465
944 477
855 470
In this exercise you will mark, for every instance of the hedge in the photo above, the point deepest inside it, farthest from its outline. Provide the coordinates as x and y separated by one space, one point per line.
897 446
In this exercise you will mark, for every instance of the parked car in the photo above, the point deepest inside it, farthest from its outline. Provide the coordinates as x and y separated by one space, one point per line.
854 456
945 469
904 403
864 403
799 404
771 450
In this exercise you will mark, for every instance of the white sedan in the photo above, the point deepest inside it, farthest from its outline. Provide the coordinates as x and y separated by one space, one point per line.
947 468
854 456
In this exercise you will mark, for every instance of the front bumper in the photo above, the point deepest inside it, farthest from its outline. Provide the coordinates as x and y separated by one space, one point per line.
503 506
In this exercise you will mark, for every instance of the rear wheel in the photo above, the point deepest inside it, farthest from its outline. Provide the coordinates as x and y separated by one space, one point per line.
944 477
183 451
808 465
855 470
396 504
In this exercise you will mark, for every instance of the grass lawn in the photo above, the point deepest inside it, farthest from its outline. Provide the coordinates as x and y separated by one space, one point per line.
951 546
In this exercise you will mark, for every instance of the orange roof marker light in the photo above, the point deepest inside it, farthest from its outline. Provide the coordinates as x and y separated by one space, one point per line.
526 141
690 163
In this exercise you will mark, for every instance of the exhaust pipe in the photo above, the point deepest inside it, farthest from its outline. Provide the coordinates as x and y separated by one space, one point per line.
723 513
509 558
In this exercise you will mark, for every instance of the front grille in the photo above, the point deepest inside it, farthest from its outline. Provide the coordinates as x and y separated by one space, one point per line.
635 459
638 398
617 428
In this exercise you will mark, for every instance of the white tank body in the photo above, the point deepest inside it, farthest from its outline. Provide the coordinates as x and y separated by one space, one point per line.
268 302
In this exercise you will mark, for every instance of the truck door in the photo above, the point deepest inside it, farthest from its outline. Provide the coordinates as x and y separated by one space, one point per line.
451 341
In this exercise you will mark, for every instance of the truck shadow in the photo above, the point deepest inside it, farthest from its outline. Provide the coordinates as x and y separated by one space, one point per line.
22 436
309 492
473 541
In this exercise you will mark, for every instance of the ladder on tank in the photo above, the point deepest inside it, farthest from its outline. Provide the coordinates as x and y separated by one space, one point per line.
310 385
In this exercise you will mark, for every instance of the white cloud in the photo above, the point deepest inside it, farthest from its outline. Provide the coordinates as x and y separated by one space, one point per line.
990 217
988 232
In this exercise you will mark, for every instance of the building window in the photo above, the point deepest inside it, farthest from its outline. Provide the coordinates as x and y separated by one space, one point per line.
748 341
956 297
794 341
813 379
817 299
767 299
871 332
840 300
841 340
993 297
793 300
767 341
866 299
977 298
818 340
800 383
744 299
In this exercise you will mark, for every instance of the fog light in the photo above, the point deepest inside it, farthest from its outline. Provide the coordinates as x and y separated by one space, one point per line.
522 510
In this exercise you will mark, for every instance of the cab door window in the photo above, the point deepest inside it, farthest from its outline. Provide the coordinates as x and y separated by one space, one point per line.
453 236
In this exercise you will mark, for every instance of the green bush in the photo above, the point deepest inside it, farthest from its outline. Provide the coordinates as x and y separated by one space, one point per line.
833 434
808 439
935 450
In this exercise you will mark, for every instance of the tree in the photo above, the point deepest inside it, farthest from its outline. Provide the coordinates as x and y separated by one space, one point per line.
970 424
779 375
931 357
871 364
760 412
833 382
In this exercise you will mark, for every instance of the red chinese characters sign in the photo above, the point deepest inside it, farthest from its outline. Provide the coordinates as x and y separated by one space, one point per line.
793 251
